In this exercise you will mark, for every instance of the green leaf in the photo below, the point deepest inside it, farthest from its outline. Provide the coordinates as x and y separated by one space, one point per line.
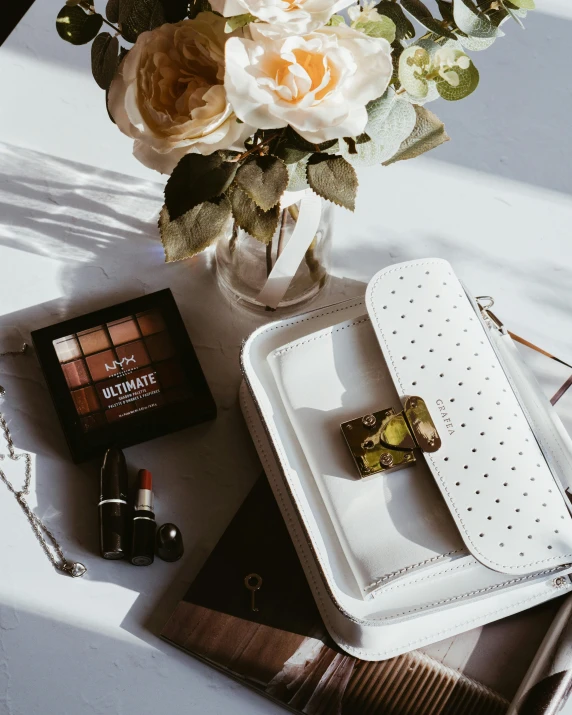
293 139
290 154
468 82
251 218
384 27
428 133
297 176
264 178
137 16
334 179
112 11
76 26
524 4
423 15
404 30
195 230
414 64
472 22
336 20
195 179
104 59
233 23
391 120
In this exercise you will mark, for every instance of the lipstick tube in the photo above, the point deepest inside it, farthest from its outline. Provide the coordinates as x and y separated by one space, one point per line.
113 512
144 526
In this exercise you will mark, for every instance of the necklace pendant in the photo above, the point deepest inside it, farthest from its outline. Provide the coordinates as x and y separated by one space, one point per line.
75 569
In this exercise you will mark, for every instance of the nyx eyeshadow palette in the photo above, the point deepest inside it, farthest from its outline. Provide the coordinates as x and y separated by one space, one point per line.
123 375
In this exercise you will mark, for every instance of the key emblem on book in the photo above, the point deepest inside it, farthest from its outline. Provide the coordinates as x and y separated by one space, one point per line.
253 582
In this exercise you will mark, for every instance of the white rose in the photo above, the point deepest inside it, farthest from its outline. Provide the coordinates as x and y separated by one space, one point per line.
299 16
319 83
168 94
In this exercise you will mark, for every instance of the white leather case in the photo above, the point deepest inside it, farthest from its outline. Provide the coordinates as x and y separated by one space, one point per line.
471 533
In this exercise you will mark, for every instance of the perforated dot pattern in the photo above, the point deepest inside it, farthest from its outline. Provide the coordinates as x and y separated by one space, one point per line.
490 469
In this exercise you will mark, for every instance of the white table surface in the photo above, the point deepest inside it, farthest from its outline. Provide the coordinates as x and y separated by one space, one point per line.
78 232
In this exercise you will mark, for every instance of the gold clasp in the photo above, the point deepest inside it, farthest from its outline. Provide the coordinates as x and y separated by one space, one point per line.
385 440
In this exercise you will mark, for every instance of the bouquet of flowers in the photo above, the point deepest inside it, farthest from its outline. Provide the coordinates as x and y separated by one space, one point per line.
241 100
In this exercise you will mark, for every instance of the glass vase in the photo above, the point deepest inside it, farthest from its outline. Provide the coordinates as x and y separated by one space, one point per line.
244 264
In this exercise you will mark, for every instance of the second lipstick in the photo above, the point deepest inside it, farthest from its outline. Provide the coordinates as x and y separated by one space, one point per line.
144 526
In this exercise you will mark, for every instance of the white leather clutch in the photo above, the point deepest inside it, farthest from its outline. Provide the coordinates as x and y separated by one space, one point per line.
420 470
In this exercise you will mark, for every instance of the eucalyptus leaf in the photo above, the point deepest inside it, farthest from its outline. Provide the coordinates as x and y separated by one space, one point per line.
264 179
377 112
297 176
367 154
404 29
476 44
472 22
334 179
77 26
236 21
104 59
195 179
195 230
423 15
137 16
414 64
384 27
468 82
112 10
428 133
397 127
251 218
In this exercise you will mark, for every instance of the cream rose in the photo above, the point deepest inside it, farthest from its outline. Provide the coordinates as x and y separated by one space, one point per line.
318 83
168 94
298 16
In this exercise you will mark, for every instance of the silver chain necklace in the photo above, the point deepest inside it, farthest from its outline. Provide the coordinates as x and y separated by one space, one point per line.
47 540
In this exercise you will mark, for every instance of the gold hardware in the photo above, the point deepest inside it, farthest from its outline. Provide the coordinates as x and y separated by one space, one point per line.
385 440
253 582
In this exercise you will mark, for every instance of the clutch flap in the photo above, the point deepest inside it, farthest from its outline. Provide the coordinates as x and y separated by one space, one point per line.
482 451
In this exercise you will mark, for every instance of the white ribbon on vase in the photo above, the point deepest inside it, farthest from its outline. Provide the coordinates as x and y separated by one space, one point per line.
289 260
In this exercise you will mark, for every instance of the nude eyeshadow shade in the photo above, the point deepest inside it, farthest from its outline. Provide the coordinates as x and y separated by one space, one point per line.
123 375
94 341
124 331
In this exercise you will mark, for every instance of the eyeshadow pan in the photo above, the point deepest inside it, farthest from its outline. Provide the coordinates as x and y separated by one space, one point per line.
75 374
94 340
151 322
103 365
132 355
85 400
123 331
67 348
159 346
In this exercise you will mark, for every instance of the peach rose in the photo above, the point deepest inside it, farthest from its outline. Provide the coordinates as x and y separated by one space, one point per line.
169 96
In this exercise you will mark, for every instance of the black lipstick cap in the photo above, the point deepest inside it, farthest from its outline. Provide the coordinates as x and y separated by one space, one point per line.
143 538
113 517
169 543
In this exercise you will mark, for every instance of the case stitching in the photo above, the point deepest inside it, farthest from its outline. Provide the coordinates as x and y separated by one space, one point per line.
413 566
476 548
